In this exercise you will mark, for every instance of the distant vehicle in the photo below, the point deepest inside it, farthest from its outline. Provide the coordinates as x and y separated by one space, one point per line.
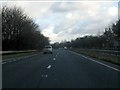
65 47
47 49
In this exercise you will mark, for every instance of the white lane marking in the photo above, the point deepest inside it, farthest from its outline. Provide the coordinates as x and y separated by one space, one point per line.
54 59
48 67
45 76
97 62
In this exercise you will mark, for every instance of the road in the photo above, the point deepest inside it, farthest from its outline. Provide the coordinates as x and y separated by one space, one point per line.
62 69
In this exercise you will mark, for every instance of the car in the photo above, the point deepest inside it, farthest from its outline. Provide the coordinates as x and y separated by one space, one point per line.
47 49
65 47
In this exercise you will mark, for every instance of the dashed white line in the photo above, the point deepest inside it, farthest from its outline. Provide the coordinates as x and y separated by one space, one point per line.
45 76
54 59
48 67
97 62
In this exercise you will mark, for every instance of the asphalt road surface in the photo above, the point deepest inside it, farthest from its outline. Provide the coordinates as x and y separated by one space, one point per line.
62 69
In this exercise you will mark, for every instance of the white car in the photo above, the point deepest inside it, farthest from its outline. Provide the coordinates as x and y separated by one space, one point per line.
47 49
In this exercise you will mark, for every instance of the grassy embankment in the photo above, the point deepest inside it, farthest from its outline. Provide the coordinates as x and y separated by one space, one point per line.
17 55
102 56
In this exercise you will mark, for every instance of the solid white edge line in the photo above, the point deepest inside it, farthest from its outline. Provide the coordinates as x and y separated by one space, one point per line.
49 66
97 61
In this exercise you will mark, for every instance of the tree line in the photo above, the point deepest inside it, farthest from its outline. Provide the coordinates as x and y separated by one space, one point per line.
19 31
110 39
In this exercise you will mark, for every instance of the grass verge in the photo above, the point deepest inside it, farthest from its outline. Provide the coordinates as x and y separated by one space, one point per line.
102 56
17 55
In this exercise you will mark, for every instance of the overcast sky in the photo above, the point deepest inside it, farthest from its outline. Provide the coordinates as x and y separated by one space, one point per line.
68 20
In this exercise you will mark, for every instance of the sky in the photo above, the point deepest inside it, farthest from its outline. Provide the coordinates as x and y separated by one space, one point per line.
67 20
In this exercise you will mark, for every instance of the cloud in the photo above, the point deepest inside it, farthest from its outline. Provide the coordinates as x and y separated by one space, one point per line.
85 17
33 9
62 7
71 20
68 20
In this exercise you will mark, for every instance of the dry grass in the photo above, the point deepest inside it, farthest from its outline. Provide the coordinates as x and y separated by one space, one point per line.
102 56
16 55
